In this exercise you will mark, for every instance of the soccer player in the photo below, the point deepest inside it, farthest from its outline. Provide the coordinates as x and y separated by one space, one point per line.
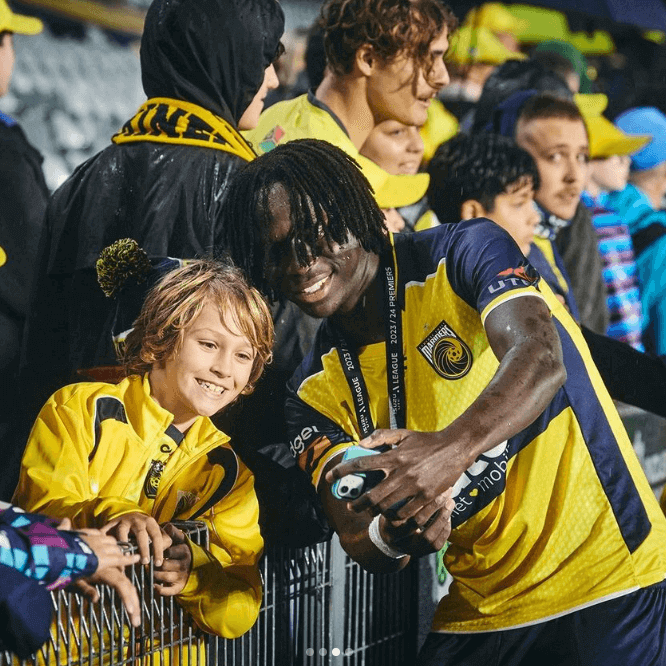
446 346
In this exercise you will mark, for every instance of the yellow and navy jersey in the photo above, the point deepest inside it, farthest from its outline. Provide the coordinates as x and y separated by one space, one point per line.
559 516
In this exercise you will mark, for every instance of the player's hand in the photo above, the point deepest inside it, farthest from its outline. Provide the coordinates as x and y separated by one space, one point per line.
419 540
171 577
145 530
419 468
115 578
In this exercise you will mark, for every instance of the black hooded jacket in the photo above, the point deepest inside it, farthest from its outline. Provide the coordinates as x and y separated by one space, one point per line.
212 53
167 197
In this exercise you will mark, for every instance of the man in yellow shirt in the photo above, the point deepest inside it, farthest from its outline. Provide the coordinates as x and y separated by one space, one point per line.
384 62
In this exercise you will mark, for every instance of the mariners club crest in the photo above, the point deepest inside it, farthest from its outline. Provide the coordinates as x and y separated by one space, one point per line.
450 357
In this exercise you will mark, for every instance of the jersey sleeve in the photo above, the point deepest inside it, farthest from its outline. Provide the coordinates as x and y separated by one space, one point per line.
314 439
486 268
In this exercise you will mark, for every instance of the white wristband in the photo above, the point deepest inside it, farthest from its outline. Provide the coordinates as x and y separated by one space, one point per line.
376 538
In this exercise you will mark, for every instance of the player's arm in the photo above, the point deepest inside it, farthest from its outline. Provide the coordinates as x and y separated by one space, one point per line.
319 444
524 339
393 542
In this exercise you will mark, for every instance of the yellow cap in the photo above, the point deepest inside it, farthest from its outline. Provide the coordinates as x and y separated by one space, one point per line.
305 118
599 43
23 25
470 45
496 17
540 24
591 104
393 191
440 127
606 139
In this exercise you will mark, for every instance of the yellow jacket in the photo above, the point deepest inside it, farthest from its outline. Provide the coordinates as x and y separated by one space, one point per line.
91 457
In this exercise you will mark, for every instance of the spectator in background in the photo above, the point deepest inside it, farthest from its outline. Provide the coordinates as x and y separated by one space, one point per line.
398 149
640 205
39 555
23 197
608 172
509 78
384 61
552 130
206 66
566 61
489 176
495 17
474 54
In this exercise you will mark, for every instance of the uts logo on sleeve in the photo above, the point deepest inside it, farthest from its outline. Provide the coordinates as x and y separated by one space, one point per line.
450 357
521 276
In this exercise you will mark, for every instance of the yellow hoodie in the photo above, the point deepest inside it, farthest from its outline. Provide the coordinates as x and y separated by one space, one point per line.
92 456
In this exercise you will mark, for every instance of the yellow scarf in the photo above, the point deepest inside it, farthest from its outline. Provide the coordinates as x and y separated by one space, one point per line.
166 120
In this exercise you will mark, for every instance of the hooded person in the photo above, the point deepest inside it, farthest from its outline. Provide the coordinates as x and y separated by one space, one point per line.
206 68
24 193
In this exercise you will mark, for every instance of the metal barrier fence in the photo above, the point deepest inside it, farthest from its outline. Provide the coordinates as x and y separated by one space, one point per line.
319 607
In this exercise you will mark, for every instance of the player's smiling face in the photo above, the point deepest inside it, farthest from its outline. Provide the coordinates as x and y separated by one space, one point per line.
332 281
212 366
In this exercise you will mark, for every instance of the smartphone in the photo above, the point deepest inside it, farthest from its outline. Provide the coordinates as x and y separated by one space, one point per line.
352 486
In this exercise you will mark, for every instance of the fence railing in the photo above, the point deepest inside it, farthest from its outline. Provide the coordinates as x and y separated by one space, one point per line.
319 607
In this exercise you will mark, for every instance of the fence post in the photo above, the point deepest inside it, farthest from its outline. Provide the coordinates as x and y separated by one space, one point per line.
338 598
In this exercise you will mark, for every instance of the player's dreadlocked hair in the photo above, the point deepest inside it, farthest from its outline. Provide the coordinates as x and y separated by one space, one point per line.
328 197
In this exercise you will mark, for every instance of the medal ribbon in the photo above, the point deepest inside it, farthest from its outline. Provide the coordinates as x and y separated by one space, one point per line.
395 359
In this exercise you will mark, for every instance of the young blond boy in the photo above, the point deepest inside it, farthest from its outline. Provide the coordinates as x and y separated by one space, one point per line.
131 457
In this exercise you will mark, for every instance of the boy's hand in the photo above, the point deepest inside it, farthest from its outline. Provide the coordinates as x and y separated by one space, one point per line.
146 531
171 577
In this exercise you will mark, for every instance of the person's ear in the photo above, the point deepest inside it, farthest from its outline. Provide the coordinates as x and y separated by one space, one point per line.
366 59
471 209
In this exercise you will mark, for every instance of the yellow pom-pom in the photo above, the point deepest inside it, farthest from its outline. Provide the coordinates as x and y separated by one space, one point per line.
120 261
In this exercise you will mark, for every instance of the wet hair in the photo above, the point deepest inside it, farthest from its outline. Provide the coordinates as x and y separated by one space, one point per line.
549 106
329 199
177 299
390 27
478 167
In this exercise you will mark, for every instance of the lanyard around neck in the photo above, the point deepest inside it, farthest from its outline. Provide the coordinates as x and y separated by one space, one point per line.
395 365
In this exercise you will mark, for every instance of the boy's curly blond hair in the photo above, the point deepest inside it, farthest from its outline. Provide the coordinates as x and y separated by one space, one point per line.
176 300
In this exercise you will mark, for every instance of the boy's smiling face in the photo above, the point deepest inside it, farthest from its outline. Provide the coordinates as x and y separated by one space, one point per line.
212 366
